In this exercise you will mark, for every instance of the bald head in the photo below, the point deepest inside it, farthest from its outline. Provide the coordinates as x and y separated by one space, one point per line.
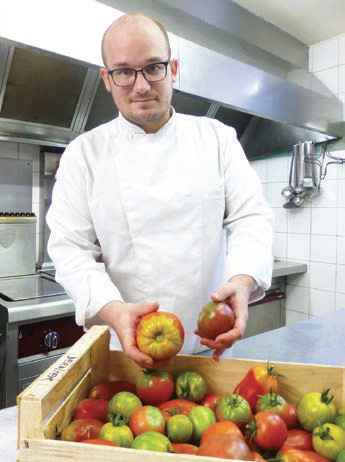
128 22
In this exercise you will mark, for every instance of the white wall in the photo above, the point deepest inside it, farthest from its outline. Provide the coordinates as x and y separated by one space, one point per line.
315 233
26 152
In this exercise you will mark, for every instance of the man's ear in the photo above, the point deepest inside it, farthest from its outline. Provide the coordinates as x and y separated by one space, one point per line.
174 68
106 78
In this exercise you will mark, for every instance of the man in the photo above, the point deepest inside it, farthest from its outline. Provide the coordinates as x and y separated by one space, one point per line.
140 205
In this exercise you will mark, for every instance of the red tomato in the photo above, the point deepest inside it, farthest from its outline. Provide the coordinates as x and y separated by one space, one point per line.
92 409
184 448
210 400
82 429
154 387
290 454
277 404
225 447
299 439
107 390
222 428
101 442
160 334
146 419
291 419
257 381
176 406
268 430
214 319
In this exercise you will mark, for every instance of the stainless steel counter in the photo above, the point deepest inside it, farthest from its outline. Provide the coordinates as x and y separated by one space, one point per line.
315 341
282 268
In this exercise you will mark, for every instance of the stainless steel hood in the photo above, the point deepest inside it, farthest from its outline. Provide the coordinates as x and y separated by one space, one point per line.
49 99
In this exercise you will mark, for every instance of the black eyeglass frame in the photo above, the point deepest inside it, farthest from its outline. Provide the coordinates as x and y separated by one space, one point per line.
142 70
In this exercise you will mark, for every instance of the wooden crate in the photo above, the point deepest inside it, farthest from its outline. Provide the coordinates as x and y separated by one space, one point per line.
47 405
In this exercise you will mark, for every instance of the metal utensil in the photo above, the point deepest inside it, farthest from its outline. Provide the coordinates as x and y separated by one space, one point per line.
288 190
299 168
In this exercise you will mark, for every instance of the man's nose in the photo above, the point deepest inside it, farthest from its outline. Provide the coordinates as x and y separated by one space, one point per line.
141 85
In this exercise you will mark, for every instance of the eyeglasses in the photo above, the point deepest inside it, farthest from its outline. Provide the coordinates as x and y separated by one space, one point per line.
152 73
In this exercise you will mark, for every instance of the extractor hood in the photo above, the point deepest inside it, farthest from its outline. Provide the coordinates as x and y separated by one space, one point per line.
49 99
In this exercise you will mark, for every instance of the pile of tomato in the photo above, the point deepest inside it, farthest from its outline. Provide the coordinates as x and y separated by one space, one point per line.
251 422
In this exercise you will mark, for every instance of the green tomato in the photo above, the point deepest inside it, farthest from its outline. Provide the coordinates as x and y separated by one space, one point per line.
340 421
235 408
122 435
341 456
191 385
328 440
201 417
314 409
124 403
152 441
179 428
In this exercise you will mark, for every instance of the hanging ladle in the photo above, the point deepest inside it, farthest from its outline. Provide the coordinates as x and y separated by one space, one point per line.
287 192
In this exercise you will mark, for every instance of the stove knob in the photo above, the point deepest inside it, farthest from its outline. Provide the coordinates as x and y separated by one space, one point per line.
51 340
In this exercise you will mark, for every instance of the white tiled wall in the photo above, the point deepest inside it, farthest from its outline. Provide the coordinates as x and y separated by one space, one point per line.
26 152
315 233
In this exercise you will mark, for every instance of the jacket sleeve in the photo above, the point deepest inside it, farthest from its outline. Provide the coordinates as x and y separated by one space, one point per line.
248 219
72 244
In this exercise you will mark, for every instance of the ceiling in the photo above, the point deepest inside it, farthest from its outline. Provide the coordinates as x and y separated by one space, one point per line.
310 21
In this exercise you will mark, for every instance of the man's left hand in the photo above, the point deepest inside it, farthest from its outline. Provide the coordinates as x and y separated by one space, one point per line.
236 294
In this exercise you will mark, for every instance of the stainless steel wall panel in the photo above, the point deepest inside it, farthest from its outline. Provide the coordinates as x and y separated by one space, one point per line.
15 185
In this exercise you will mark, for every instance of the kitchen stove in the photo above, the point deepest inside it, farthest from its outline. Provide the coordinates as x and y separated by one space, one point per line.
37 320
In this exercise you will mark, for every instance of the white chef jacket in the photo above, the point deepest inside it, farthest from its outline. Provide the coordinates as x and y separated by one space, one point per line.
141 217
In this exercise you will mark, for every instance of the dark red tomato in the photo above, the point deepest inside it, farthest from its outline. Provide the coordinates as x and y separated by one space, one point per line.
146 419
184 448
268 430
291 419
82 429
92 409
222 428
299 439
225 447
290 454
160 334
214 319
155 387
101 442
210 400
176 406
107 390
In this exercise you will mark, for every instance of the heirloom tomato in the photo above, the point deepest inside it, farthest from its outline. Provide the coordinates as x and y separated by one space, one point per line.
176 406
315 408
89 408
145 419
225 447
222 428
214 319
152 441
124 403
160 334
117 432
234 408
257 381
179 428
107 390
190 385
340 421
210 400
154 387
268 430
299 439
82 429
291 419
328 440
101 442
274 403
290 454
202 417
184 448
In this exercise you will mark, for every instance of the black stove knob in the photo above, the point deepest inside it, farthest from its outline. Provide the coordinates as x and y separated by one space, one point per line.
51 340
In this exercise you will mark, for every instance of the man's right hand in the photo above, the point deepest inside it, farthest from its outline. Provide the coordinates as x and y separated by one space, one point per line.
124 319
